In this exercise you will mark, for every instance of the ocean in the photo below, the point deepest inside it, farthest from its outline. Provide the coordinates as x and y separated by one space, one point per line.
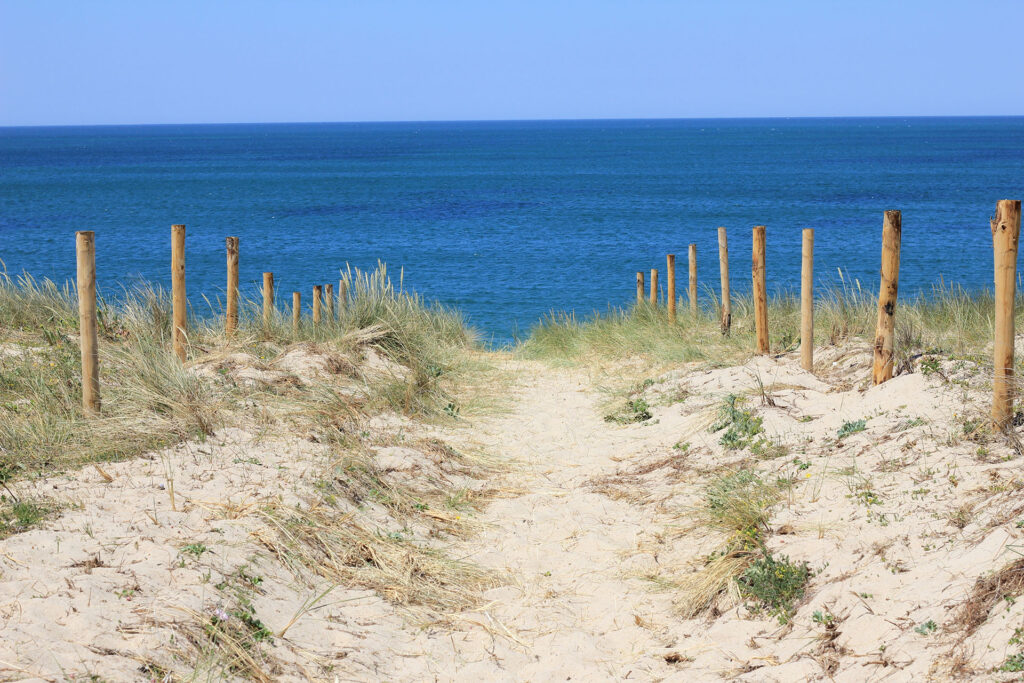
509 220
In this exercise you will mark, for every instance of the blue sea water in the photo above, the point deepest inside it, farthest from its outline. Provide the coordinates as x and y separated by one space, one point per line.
509 220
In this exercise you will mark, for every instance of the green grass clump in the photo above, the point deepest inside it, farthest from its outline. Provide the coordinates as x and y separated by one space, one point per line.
775 584
635 410
741 503
18 516
852 427
741 426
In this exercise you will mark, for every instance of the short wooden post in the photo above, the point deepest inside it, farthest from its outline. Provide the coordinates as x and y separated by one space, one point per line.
639 287
178 301
807 302
318 292
342 296
329 300
670 292
231 313
885 329
296 311
723 271
760 290
268 299
693 280
85 247
654 286
1005 238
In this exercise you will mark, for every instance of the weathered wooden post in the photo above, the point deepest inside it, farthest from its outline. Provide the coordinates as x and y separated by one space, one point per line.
723 270
329 300
885 329
85 248
318 292
693 280
268 299
760 290
231 314
296 311
639 287
342 296
654 286
1005 238
807 302
178 301
670 273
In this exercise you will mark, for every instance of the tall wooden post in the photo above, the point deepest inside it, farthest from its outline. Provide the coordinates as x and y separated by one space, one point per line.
296 311
318 292
807 302
1005 238
178 301
329 300
885 329
654 286
342 296
670 271
231 316
639 287
85 248
268 299
693 280
723 270
760 290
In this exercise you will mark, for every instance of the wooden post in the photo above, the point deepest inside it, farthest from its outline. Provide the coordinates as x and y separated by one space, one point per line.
654 286
342 296
639 287
268 299
760 290
178 302
231 317
807 302
723 270
296 311
329 300
1005 237
85 246
318 292
885 329
670 298
693 280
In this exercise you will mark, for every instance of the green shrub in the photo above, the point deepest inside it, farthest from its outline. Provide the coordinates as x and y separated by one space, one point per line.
775 584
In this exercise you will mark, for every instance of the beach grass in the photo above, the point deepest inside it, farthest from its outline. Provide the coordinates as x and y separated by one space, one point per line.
946 320
150 399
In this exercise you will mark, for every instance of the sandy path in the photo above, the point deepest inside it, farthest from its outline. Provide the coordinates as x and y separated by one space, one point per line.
576 609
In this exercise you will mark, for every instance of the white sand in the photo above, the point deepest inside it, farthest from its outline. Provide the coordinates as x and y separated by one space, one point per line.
601 507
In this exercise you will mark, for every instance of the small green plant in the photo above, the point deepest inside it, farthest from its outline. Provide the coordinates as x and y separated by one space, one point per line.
826 619
1013 663
635 410
741 426
775 584
20 516
930 366
196 549
927 628
852 427
682 446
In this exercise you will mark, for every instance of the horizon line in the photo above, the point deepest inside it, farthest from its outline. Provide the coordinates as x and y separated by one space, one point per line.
520 120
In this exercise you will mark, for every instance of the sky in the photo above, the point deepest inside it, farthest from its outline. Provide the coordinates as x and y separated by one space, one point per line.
220 61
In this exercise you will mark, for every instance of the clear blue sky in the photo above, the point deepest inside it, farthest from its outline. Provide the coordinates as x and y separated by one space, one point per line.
120 61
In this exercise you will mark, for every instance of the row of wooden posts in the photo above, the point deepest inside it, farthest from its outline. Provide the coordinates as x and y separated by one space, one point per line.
85 247
1005 228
